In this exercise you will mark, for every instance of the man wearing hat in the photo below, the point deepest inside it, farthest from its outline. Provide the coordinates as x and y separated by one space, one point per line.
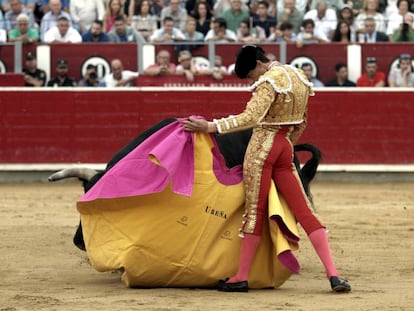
371 77
61 78
277 113
33 76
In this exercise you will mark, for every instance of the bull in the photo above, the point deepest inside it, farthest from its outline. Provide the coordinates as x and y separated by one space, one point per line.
232 146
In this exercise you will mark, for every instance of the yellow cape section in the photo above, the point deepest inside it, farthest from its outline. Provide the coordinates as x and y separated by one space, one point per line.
165 239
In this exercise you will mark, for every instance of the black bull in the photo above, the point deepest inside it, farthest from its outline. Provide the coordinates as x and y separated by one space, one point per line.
232 146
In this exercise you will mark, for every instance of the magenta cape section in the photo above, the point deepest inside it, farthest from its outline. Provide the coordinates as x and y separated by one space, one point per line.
138 173
168 215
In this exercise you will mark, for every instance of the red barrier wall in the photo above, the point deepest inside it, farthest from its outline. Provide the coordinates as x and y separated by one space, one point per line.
89 126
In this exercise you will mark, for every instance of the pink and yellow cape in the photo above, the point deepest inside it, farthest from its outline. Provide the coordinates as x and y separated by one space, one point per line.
168 215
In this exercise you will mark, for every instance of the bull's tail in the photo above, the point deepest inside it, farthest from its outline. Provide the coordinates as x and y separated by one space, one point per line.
82 173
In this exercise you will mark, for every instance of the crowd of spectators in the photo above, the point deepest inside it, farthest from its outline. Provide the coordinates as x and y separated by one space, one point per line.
190 21
250 21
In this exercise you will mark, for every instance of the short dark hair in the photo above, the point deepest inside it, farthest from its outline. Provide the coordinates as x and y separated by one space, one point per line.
286 26
339 66
308 21
99 22
221 22
246 59
63 18
167 18
263 3
119 18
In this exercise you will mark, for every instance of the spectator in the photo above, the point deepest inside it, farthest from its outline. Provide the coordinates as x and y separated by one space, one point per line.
44 6
222 5
143 21
397 18
203 16
263 19
402 75
247 35
95 34
301 5
235 15
168 33
309 35
191 34
341 79
90 78
28 4
190 5
219 70
33 76
372 77
308 71
61 78
156 8
342 32
85 12
177 13
356 6
163 65
405 32
284 33
346 14
370 9
62 33
186 66
121 32
22 32
113 10
119 76
325 19
335 5
16 8
219 32
290 14
50 19
3 32
370 33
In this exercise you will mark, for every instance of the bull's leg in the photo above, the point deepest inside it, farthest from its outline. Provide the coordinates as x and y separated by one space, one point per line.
78 238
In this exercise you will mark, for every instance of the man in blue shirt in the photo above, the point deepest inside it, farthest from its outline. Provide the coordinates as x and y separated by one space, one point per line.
95 33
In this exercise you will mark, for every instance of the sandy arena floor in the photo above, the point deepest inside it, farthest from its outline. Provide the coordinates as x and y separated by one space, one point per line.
371 231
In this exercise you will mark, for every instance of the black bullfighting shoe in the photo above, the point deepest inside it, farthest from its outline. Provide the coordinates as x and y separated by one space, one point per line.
339 285
242 287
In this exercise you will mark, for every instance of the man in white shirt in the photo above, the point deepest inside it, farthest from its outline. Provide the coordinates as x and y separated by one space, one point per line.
85 12
119 76
325 19
63 33
50 19
219 32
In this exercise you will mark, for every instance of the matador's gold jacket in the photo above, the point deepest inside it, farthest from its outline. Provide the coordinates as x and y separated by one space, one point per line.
280 97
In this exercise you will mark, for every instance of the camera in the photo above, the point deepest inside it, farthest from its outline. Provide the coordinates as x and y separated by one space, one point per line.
93 75
405 27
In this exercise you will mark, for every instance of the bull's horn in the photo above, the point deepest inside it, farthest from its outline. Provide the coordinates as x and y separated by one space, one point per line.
80 172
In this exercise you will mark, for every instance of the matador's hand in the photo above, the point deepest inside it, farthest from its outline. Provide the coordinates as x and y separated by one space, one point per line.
195 125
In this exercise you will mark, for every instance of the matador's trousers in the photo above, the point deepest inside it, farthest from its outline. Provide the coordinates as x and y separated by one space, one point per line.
269 155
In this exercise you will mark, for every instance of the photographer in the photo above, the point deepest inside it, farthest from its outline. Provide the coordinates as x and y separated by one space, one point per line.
90 78
405 32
